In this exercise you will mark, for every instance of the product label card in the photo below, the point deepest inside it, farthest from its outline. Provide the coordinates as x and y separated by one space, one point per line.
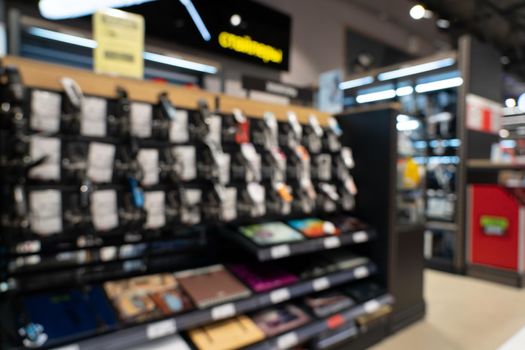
229 204
224 160
45 111
141 116
190 211
104 210
93 119
154 204
45 212
149 162
45 147
179 127
215 125
324 167
101 157
186 162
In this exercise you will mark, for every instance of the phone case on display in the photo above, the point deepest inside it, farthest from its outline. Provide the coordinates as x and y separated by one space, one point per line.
270 233
322 167
213 164
348 192
299 164
45 111
253 200
104 209
45 153
274 165
266 131
197 284
141 120
236 128
163 114
313 227
327 303
184 205
221 203
14 93
72 106
234 333
155 206
74 161
262 277
344 163
313 135
132 215
246 164
45 212
290 133
119 115
200 126
51 317
279 199
306 197
100 164
184 163
328 198
279 319
94 116
333 134
440 205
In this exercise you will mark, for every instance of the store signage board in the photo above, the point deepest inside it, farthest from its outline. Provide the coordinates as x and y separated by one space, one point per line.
277 88
483 114
120 43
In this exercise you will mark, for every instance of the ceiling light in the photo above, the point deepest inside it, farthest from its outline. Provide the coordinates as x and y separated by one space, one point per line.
356 82
62 9
443 23
150 56
420 68
439 85
376 96
510 103
417 12
407 125
235 20
196 17
404 91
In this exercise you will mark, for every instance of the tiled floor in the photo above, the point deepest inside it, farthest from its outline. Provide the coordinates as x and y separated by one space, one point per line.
463 314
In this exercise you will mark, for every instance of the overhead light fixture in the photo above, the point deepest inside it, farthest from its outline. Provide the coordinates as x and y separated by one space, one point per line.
63 9
419 68
404 91
376 96
235 20
439 85
417 12
349 84
149 56
510 103
407 125
194 14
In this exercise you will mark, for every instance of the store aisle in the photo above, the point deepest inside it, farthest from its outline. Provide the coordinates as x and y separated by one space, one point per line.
464 314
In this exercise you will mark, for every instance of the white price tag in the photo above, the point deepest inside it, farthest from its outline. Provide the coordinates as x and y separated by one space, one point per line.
360 237
45 211
161 329
93 119
224 168
68 347
154 204
321 284
100 162
186 162
149 162
229 204
287 341
104 210
45 147
179 127
332 242
280 251
371 306
215 125
45 111
279 295
141 115
361 272
223 311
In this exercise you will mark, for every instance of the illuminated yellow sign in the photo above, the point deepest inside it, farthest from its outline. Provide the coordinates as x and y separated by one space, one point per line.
246 45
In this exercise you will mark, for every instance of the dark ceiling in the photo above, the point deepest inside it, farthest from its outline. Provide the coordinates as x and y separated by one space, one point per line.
499 22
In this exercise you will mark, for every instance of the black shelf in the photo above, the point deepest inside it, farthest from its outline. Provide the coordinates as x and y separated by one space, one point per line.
134 335
315 328
440 264
279 251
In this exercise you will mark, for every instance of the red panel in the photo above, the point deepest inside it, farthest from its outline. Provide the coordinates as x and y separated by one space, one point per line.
335 321
496 251
486 120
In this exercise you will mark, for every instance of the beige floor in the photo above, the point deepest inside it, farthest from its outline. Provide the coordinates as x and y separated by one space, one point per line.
462 314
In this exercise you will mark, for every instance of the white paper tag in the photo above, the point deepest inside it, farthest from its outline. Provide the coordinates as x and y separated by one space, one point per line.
224 168
287 341
154 203
332 242
149 162
45 147
279 295
215 125
186 158
190 213
371 306
223 311
45 111
360 237
141 115
361 272
280 251
101 157
93 119
161 329
68 347
45 211
321 283
229 204
179 127
104 211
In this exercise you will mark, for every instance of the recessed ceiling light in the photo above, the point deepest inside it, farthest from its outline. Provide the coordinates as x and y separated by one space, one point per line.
235 20
417 12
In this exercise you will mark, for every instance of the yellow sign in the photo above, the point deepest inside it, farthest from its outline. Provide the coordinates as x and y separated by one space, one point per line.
120 43
246 45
